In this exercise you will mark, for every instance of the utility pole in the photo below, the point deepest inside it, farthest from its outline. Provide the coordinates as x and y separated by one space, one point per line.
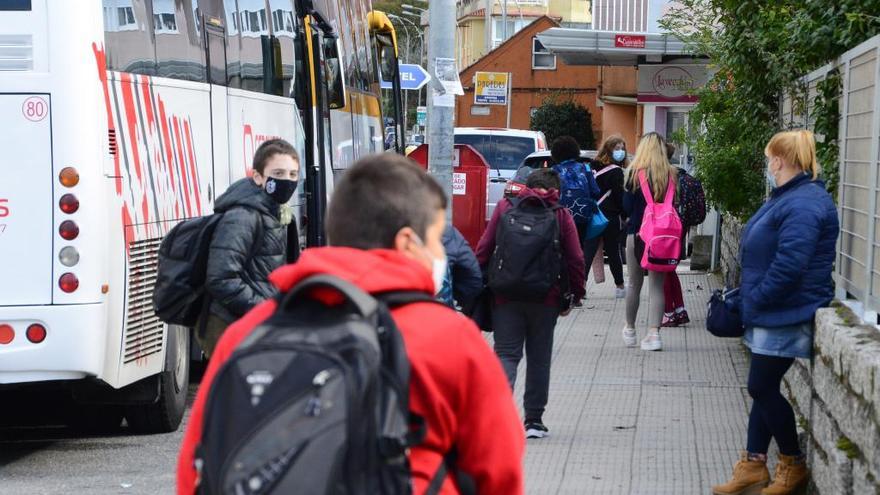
441 44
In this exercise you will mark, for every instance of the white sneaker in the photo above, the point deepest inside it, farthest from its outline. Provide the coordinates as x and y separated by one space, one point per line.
620 293
629 337
652 342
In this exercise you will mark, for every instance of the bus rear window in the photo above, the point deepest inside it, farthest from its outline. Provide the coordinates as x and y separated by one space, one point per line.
15 5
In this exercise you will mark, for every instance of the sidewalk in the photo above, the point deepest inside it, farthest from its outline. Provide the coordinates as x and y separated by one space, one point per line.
625 421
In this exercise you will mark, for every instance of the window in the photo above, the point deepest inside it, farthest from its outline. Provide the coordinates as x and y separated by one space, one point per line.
233 44
15 5
179 52
501 152
129 42
513 27
119 16
252 27
542 59
284 28
164 20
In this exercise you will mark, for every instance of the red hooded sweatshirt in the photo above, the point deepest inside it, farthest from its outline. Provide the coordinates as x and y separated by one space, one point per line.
456 381
572 254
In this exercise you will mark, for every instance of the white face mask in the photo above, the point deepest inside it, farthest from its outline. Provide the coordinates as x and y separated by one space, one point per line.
438 267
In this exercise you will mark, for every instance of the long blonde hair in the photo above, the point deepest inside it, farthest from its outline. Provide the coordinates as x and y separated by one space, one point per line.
651 157
797 148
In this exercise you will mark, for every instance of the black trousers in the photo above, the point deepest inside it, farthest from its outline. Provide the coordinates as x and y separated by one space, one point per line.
772 415
526 325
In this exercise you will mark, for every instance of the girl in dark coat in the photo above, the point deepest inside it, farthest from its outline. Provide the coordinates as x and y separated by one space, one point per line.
250 241
787 252
608 169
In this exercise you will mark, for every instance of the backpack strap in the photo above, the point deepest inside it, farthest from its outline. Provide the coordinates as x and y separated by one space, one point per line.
466 484
398 298
649 197
607 168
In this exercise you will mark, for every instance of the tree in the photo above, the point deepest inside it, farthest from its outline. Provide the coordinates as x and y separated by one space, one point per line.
564 117
760 49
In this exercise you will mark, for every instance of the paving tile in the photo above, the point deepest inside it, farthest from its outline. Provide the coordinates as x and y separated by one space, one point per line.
624 421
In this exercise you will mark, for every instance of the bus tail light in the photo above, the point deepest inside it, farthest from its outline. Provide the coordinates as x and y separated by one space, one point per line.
68 256
6 334
68 203
36 333
68 282
68 177
68 230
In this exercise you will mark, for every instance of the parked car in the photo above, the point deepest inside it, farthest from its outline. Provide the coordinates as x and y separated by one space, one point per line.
534 161
504 150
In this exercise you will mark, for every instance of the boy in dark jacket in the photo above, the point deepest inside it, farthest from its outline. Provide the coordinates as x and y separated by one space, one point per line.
531 324
250 241
385 223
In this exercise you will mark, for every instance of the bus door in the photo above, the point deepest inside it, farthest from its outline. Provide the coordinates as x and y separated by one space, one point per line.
215 50
328 92
386 54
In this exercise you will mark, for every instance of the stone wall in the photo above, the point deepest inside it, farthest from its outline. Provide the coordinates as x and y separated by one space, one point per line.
731 232
836 398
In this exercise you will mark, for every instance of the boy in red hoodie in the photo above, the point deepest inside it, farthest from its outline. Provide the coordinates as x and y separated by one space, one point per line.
531 324
385 222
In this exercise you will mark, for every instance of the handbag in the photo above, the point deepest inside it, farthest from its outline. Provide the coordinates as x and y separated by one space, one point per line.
724 317
598 221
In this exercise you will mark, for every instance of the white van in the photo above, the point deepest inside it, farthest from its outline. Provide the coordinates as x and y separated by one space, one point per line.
505 150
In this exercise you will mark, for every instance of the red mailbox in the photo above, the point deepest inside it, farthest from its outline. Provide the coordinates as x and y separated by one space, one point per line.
469 189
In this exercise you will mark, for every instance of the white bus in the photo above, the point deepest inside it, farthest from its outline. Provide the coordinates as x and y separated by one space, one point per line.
122 117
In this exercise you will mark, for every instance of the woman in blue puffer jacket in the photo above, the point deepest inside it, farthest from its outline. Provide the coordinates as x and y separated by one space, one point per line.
787 254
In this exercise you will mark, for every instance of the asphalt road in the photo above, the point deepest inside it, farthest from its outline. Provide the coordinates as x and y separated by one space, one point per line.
40 455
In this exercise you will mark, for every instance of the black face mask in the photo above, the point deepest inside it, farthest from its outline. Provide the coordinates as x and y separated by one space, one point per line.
280 190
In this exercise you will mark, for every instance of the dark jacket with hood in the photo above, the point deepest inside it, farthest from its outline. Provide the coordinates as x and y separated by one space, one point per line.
573 256
787 253
239 262
467 279
610 180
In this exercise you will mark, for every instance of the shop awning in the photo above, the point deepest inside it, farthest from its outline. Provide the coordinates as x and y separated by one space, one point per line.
589 47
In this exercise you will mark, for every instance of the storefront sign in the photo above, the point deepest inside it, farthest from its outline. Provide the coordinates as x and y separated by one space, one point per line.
629 41
491 88
670 83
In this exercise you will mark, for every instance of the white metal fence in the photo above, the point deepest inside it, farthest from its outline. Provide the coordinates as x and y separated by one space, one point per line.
857 272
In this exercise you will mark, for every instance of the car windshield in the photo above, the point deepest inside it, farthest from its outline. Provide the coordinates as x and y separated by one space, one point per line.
502 152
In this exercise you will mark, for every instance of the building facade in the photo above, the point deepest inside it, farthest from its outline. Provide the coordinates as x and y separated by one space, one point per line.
609 93
474 39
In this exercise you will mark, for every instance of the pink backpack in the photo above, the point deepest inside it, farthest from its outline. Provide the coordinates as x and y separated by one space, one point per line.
661 230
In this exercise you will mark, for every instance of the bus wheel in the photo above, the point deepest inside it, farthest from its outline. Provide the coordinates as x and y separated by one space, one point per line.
165 414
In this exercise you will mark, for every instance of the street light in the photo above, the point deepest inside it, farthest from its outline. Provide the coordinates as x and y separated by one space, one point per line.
408 6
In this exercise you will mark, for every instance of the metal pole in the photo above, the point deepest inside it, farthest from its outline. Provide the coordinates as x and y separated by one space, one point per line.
487 26
509 94
504 20
441 44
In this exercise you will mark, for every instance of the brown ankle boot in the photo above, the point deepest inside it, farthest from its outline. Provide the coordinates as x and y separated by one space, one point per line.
749 477
791 477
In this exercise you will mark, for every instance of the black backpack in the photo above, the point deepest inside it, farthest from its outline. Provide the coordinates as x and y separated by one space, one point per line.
315 400
179 293
692 203
527 261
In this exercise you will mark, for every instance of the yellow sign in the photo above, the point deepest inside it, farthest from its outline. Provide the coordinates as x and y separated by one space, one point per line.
491 88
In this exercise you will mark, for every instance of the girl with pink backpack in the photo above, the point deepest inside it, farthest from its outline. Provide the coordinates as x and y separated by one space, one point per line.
653 235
